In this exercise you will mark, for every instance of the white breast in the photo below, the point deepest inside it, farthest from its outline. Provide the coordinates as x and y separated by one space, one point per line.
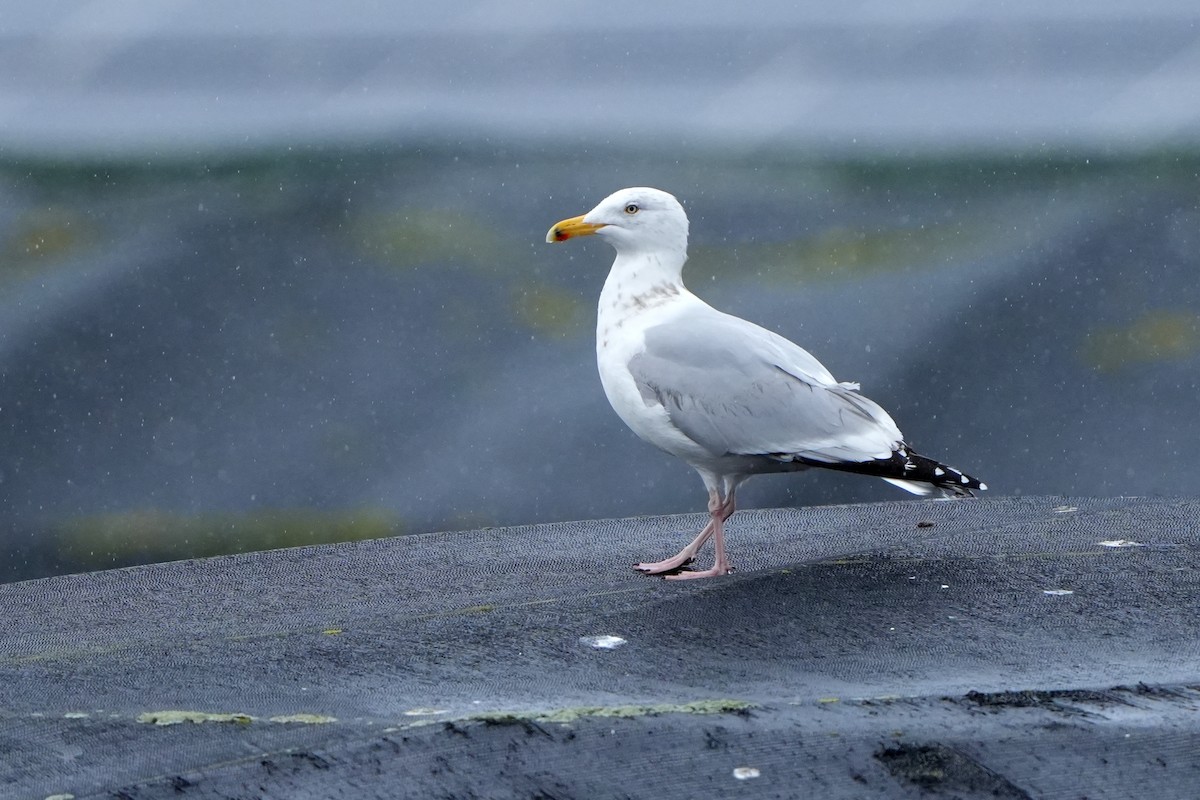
621 323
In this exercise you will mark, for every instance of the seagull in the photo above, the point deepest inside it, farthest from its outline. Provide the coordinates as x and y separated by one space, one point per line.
728 397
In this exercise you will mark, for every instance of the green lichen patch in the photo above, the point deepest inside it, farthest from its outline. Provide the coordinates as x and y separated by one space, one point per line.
304 719
565 715
175 717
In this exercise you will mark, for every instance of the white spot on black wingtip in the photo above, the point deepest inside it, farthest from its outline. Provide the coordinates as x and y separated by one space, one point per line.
965 479
938 471
983 486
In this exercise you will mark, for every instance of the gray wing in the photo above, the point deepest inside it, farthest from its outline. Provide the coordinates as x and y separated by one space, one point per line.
734 387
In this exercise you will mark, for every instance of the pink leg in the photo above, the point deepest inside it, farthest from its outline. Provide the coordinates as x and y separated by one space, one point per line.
685 556
719 510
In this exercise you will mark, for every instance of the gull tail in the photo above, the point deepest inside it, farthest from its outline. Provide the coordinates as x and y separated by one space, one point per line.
913 473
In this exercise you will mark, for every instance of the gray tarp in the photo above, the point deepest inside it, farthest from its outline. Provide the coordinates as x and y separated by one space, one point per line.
1016 647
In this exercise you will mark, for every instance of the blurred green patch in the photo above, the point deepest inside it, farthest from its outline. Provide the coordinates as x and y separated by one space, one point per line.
40 237
549 309
841 253
106 540
413 237
1157 336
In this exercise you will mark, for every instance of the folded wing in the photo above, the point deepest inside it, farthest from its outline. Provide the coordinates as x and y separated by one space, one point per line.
736 388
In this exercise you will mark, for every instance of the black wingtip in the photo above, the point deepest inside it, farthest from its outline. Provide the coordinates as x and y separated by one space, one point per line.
906 465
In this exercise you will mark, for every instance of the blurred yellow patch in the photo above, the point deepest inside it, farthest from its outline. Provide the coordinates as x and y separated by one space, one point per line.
1157 336
841 253
37 238
45 234
415 236
548 309
103 539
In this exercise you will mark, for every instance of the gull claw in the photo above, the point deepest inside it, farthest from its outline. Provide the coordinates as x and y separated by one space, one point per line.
663 567
688 574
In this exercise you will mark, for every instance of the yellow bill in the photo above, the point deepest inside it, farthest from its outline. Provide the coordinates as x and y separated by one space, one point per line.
570 228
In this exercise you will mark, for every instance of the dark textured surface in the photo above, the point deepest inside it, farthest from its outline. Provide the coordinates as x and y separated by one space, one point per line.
878 658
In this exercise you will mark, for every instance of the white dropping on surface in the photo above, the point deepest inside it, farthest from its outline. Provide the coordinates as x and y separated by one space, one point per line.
602 642
1058 592
1120 543
746 773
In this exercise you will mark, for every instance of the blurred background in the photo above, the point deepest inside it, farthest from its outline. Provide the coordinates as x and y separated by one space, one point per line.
274 273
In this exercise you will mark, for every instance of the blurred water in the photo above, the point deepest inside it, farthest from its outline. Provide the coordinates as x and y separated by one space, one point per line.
207 356
273 274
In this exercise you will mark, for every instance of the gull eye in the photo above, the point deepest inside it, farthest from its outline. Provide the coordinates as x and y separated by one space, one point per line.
632 208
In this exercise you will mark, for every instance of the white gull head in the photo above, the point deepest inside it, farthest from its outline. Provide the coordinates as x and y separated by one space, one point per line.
637 221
